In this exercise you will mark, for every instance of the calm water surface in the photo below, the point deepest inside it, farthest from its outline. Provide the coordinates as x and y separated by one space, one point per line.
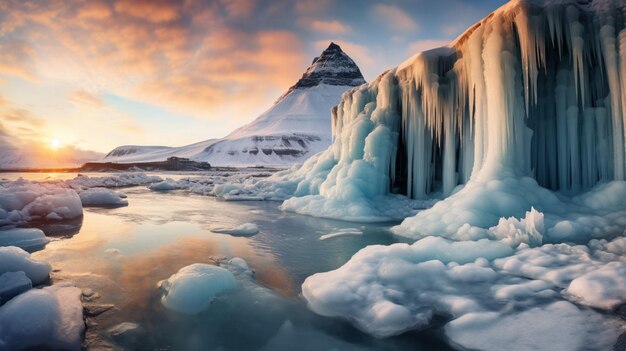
123 253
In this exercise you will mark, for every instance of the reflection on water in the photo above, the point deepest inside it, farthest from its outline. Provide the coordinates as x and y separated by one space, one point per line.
122 253
63 229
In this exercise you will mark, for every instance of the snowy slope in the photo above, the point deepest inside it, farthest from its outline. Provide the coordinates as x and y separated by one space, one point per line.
296 127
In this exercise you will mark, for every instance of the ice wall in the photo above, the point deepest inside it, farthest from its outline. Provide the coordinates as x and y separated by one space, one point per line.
536 89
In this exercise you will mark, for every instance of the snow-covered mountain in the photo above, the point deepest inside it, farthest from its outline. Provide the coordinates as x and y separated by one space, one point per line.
296 127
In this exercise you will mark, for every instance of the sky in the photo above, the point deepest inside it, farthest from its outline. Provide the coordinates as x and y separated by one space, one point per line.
93 75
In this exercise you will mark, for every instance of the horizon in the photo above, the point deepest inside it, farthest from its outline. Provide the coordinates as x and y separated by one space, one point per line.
156 73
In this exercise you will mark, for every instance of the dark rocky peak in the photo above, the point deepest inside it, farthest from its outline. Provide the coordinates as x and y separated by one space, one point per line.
332 67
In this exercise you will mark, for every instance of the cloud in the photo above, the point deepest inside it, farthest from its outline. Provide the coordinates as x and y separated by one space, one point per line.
193 57
85 97
393 17
312 7
155 11
325 26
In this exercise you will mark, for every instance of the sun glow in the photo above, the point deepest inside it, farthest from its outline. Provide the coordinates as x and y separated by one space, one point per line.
55 143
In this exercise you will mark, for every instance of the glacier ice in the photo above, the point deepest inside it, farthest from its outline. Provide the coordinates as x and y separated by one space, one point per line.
192 289
526 102
102 197
517 128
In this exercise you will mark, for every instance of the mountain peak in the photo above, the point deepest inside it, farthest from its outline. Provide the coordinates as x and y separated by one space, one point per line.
332 67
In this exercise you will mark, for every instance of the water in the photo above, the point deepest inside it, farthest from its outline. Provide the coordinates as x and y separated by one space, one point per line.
121 254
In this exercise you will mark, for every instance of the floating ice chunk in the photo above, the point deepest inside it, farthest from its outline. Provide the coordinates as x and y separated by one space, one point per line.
14 259
528 230
569 329
29 239
102 197
115 181
240 263
603 288
193 287
50 318
166 185
342 232
243 229
126 333
389 289
12 284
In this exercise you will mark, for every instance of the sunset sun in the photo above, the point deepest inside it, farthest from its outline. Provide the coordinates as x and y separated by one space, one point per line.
55 143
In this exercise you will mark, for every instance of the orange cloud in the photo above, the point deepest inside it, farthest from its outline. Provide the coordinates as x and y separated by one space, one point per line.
155 11
85 97
325 26
394 17
157 52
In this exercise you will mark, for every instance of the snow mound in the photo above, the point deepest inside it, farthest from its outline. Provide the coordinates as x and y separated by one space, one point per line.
14 259
102 197
50 318
29 239
243 229
192 289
